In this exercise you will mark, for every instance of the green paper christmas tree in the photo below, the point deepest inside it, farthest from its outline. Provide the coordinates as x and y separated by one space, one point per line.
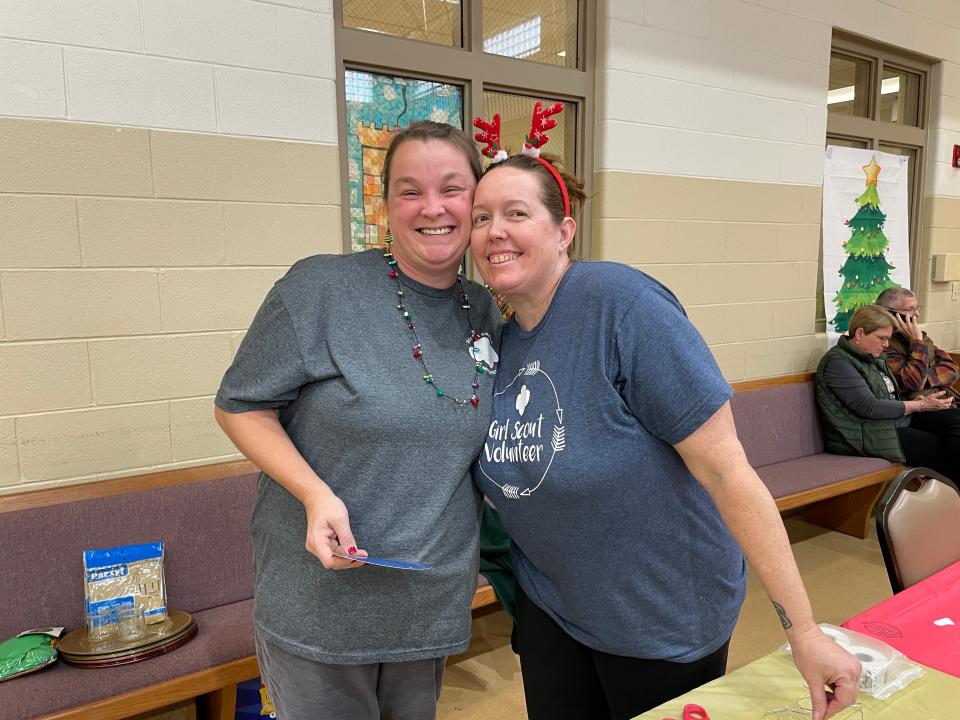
866 272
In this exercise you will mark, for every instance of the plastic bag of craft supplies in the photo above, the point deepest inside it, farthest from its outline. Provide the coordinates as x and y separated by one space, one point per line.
885 671
126 576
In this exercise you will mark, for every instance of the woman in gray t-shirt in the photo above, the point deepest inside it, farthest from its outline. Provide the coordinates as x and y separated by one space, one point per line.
362 390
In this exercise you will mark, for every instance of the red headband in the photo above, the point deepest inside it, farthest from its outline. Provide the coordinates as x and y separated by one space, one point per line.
536 139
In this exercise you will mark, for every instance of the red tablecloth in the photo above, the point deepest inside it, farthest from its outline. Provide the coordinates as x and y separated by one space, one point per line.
922 622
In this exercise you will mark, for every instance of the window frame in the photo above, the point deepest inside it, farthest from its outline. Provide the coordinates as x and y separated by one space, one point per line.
475 71
879 132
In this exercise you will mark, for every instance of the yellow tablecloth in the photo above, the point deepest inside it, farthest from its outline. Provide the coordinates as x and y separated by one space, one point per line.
773 682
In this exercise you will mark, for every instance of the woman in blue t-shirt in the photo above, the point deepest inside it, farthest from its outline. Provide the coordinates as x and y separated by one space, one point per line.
614 462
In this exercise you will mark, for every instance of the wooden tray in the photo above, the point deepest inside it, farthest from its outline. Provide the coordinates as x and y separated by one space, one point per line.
75 645
136 655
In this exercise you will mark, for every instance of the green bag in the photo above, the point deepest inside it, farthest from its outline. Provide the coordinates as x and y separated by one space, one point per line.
26 653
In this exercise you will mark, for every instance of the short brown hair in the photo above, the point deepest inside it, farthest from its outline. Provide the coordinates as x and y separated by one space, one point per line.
550 194
424 130
871 318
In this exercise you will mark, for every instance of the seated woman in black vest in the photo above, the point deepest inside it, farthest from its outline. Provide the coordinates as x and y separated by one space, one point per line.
862 413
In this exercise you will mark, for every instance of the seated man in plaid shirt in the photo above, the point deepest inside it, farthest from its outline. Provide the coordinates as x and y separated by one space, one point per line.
919 366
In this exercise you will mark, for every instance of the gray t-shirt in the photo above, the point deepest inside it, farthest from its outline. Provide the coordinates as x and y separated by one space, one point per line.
329 349
613 537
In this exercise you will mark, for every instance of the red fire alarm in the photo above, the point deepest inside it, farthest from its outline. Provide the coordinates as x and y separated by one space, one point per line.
956 156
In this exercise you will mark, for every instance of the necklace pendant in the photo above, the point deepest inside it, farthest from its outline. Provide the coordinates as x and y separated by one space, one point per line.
417 349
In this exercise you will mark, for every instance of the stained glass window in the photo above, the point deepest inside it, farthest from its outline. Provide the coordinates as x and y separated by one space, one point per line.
378 106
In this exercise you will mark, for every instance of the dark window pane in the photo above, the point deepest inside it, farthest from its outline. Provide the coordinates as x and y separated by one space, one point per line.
433 21
377 107
849 90
516 112
847 142
899 97
544 31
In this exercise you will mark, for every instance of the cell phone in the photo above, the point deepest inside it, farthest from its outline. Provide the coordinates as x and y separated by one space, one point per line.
896 314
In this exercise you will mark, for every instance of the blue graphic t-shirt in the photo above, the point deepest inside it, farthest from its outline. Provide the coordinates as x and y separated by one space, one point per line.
613 537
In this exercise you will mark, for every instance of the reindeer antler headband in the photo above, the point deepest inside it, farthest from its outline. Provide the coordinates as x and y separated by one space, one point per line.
536 139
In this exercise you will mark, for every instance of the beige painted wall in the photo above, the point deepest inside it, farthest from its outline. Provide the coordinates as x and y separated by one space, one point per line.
155 182
711 124
131 262
740 256
941 234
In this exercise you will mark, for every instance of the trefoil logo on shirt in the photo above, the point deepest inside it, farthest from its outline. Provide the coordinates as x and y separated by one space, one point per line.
530 436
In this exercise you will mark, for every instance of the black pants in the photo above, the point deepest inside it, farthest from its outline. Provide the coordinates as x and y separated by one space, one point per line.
933 440
564 680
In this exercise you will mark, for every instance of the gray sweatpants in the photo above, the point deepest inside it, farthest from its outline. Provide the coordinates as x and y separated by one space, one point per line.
303 689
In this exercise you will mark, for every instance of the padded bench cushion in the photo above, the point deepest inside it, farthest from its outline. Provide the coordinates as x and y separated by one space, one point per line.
205 525
806 473
224 634
778 423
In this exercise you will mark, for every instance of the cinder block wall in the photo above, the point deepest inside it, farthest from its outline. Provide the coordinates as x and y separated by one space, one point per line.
710 133
163 161
161 164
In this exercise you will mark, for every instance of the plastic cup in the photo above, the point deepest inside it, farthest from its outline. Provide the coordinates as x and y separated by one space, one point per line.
130 623
101 625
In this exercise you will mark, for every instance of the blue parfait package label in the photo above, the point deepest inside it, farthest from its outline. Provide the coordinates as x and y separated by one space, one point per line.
128 575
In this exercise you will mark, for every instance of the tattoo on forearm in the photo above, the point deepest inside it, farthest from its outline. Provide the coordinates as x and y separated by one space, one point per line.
782 614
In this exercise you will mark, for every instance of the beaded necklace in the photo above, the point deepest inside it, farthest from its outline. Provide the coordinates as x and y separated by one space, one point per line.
418 347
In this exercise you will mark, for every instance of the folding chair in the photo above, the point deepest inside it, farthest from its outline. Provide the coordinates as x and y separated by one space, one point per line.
918 529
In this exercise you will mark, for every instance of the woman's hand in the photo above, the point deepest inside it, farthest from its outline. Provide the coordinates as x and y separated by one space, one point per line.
823 663
926 403
328 529
259 435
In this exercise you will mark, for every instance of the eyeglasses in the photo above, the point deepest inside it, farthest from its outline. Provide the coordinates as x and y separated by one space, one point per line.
914 310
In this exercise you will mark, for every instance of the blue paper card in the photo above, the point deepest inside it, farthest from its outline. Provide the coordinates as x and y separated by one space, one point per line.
384 562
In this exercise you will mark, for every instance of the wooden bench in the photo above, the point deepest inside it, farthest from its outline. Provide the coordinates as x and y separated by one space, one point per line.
778 424
209 574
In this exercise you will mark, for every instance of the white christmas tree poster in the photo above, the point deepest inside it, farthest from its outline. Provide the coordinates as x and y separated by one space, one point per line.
865 231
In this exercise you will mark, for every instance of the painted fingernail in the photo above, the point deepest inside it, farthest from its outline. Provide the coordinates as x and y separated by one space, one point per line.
351 551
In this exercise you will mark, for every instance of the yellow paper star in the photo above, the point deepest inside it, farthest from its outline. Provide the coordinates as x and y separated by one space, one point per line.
872 170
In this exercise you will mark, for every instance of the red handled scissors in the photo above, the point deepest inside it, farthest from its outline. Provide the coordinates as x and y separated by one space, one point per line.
693 712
